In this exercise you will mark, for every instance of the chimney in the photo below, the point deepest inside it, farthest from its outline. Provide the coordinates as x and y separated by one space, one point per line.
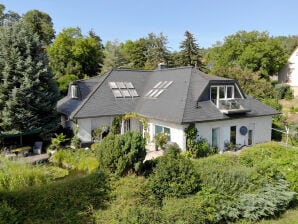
161 66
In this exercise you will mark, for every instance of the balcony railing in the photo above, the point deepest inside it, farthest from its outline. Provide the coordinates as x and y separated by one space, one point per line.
232 106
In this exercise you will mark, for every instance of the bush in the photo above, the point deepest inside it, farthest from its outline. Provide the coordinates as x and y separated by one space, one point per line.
161 139
174 176
203 149
121 154
7 214
267 202
283 91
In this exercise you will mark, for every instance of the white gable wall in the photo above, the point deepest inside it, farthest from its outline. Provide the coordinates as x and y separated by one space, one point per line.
289 73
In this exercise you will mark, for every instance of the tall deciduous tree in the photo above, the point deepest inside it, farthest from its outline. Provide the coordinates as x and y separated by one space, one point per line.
157 50
28 94
190 51
253 50
73 54
114 56
40 23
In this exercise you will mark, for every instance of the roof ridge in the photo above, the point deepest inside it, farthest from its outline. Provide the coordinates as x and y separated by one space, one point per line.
187 94
89 95
150 70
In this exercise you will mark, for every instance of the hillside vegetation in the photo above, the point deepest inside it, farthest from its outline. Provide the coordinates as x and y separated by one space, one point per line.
260 183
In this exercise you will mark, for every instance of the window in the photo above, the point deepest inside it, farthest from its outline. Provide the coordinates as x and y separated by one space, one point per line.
250 137
123 89
161 129
158 89
74 91
215 137
221 93
233 135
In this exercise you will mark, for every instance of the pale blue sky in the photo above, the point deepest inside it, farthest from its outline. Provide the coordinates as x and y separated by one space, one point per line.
209 20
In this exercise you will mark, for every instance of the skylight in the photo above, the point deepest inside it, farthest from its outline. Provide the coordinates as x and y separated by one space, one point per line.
158 89
123 89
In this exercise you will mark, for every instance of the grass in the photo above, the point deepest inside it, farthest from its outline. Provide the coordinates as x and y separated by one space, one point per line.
287 111
289 217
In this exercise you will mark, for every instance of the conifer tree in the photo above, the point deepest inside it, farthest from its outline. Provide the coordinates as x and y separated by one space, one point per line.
190 52
28 94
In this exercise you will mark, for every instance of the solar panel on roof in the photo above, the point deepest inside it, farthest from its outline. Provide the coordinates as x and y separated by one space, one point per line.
129 85
153 93
125 93
163 84
159 92
157 85
121 85
149 92
113 85
168 84
117 93
133 92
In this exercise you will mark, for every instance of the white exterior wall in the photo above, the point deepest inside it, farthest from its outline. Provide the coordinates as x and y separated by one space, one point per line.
84 132
176 130
289 73
261 127
101 121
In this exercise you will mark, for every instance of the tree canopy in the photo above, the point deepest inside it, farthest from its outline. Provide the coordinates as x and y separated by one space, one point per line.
254 50
41 24
28 94
74 54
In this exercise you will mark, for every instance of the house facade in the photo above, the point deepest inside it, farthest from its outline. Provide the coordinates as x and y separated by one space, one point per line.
170 100
289 73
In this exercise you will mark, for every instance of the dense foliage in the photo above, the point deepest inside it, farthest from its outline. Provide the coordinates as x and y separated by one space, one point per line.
121 154
173 176
254 50
41 24
74 54
28 93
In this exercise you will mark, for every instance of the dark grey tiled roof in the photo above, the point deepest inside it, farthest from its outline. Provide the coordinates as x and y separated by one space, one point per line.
185 100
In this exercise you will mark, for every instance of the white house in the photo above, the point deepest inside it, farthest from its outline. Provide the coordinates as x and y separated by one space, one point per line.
289 73
169 99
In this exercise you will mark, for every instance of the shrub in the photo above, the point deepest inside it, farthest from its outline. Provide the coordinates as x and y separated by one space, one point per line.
7 213
199 208
174 176
202 149
121 154
161 139
268 201
283 91
131 203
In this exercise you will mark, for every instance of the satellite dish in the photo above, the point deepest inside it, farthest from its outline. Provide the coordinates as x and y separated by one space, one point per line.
243 130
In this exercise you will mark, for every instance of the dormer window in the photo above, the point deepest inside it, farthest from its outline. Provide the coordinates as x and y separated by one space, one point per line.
218 93
74 91
223 96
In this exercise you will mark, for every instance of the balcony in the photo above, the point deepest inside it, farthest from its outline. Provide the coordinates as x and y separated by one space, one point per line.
233 106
